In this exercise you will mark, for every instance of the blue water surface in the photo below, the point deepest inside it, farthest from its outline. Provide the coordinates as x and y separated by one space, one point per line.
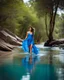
47 65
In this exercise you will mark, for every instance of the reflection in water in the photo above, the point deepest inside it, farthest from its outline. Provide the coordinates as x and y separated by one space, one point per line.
45 66
29 63
38 71
26 77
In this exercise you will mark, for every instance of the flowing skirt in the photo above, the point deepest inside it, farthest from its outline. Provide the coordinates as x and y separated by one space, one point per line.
25 46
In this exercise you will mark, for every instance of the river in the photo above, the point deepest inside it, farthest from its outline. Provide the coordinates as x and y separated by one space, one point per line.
47 65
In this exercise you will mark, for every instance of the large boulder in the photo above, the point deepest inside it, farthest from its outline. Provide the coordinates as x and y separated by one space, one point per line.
54 43
8 40
5 46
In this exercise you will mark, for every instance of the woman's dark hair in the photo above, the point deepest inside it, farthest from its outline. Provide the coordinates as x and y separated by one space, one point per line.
32 29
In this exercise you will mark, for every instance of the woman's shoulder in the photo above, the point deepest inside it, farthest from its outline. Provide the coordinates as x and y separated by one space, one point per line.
28 32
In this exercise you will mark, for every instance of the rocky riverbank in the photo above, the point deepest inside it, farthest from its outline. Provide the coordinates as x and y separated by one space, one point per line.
8 40
54 43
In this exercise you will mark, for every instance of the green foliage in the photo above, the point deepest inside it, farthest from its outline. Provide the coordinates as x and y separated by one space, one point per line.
48 8
62 27
18 16
43 6
9 12
59 27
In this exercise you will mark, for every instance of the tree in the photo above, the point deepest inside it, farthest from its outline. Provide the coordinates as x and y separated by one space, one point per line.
17 16
10 11
49 7
62 26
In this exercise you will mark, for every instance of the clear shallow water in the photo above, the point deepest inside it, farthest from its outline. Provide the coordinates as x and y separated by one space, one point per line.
47 65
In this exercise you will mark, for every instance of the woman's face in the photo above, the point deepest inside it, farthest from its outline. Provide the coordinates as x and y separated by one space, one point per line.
30 29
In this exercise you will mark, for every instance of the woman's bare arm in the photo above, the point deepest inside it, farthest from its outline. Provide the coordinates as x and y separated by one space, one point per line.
26 35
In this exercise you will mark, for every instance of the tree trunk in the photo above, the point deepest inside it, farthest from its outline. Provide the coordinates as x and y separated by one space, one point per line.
52 24
46 25
52 21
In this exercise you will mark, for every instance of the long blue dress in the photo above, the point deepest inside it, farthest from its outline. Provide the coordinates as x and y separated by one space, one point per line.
29 41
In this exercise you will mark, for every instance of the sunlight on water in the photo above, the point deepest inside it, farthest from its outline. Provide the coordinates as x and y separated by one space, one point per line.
26 77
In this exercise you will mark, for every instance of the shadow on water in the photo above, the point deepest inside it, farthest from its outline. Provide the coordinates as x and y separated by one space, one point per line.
44 66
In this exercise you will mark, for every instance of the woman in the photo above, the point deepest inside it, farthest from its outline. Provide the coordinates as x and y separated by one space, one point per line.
28 43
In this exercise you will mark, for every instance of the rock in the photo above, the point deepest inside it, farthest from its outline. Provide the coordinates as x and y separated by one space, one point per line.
54 43
8 40
9 32
5 46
